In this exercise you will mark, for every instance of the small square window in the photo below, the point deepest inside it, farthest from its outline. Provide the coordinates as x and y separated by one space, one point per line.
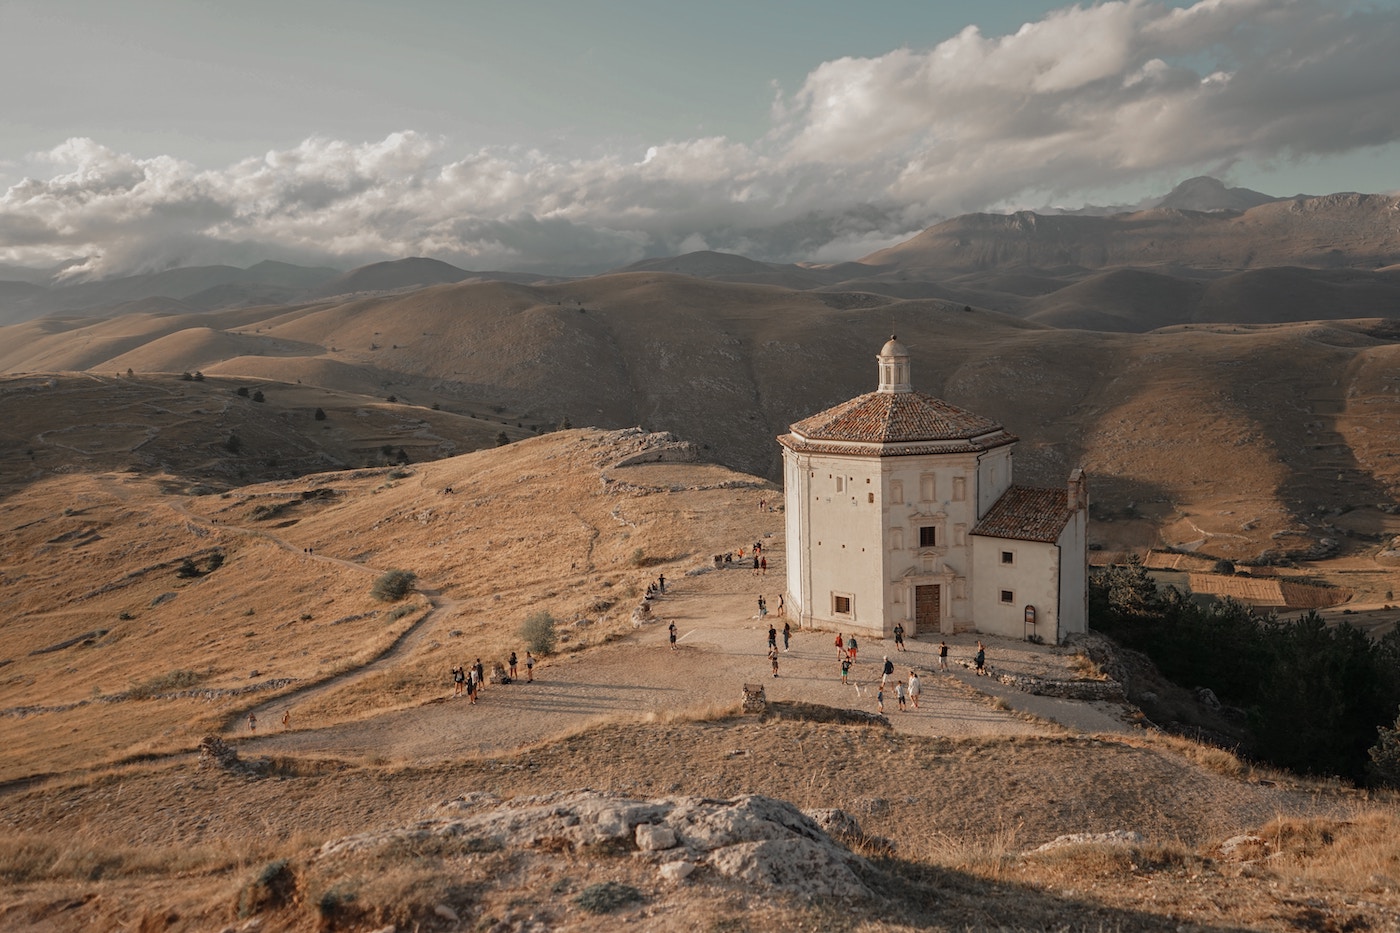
842 605
870 497
1008 597
928 536
1007 557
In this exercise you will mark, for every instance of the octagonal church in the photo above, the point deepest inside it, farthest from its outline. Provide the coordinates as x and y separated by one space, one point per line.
900 508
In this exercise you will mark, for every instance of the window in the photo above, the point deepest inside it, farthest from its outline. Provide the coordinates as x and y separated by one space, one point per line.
897 492
928 536
1007 557
959 488
926 487
841 605
1008 597
870 497
840 483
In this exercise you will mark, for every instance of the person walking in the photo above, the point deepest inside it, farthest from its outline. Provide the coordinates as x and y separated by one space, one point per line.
942 655
772 638
773 656
886 671
530 667
672 630
840 647
915 688
980 661
286 719
787 630
763 566
762 608
782 610
880 697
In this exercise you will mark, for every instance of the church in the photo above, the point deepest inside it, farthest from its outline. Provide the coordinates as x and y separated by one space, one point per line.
900 509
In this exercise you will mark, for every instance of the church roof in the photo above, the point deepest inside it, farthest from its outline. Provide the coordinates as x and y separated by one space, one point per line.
898 418
1027 513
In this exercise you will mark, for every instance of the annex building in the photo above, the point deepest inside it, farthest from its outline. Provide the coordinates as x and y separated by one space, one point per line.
900 507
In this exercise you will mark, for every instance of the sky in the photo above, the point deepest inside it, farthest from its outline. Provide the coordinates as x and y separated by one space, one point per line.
575 136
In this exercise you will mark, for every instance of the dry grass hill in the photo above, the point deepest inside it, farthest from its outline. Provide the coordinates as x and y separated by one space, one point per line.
120 656
202 486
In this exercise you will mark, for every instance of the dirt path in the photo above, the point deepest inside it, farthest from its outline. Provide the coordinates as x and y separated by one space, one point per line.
721 645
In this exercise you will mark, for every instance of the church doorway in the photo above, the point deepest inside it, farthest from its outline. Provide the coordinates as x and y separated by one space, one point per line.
927 608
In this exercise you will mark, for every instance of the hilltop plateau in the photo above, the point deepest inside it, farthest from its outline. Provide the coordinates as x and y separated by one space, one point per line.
143 615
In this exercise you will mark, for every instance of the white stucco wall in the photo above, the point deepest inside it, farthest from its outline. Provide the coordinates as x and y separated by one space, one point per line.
1032 578
1074 577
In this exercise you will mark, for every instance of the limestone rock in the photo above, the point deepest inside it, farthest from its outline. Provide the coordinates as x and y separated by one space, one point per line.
1118 837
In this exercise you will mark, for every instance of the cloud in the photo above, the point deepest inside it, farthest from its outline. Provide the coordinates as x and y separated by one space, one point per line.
865 152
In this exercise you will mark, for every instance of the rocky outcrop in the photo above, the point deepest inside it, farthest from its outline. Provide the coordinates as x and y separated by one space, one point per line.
755 840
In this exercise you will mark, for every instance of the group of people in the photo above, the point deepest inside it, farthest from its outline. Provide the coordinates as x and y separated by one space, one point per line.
470 680
656 587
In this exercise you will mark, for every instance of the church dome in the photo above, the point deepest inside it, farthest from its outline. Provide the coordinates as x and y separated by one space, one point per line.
895 420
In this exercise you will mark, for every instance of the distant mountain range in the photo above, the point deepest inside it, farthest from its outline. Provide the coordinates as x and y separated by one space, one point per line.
1200 254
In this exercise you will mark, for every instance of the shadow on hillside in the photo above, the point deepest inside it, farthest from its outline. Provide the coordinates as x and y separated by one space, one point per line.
928 897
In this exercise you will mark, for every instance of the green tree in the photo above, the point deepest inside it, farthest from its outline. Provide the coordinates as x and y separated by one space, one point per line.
320 414
538 632
258 396
242 391
393 585
234 444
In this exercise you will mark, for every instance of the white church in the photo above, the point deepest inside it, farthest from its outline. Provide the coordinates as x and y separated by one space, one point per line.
900 509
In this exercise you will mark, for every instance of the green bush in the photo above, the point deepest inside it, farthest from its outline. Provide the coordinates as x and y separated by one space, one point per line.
394 585
607 897
538 632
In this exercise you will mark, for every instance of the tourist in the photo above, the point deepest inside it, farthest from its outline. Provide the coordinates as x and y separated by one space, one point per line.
840 647
471 686
480 670
762 608
286 719
252 722
845 671
787 629
887 670
529 668
755 564
459 679
899 694
672 630
852 648
880 697
782 610
772 637
981 660
899 636
513 674
661 583
773 656
942 655
763 566
915 688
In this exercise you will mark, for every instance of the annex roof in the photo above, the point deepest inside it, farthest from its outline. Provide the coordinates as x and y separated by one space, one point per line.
1027 513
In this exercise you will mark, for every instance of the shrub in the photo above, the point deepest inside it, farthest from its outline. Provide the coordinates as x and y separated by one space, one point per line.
243 391
187 569
320 414
198 376
186 377
502 439
234 444
274 887
538 632
394 585
258 396
1385 755
607 897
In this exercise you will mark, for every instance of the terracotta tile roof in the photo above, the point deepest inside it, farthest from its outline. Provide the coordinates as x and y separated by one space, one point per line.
897 417
1027 513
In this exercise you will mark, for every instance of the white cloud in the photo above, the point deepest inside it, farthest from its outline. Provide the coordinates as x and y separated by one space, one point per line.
866 151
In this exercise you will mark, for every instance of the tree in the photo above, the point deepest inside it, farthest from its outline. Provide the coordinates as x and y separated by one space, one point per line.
538 632
242 391
258 396
502 439
565 424
393 585
198 376
1385 755
401 456
186 377
320 414
393 399
234 444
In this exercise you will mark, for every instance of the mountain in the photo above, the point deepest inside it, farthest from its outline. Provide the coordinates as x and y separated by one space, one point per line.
1204 193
